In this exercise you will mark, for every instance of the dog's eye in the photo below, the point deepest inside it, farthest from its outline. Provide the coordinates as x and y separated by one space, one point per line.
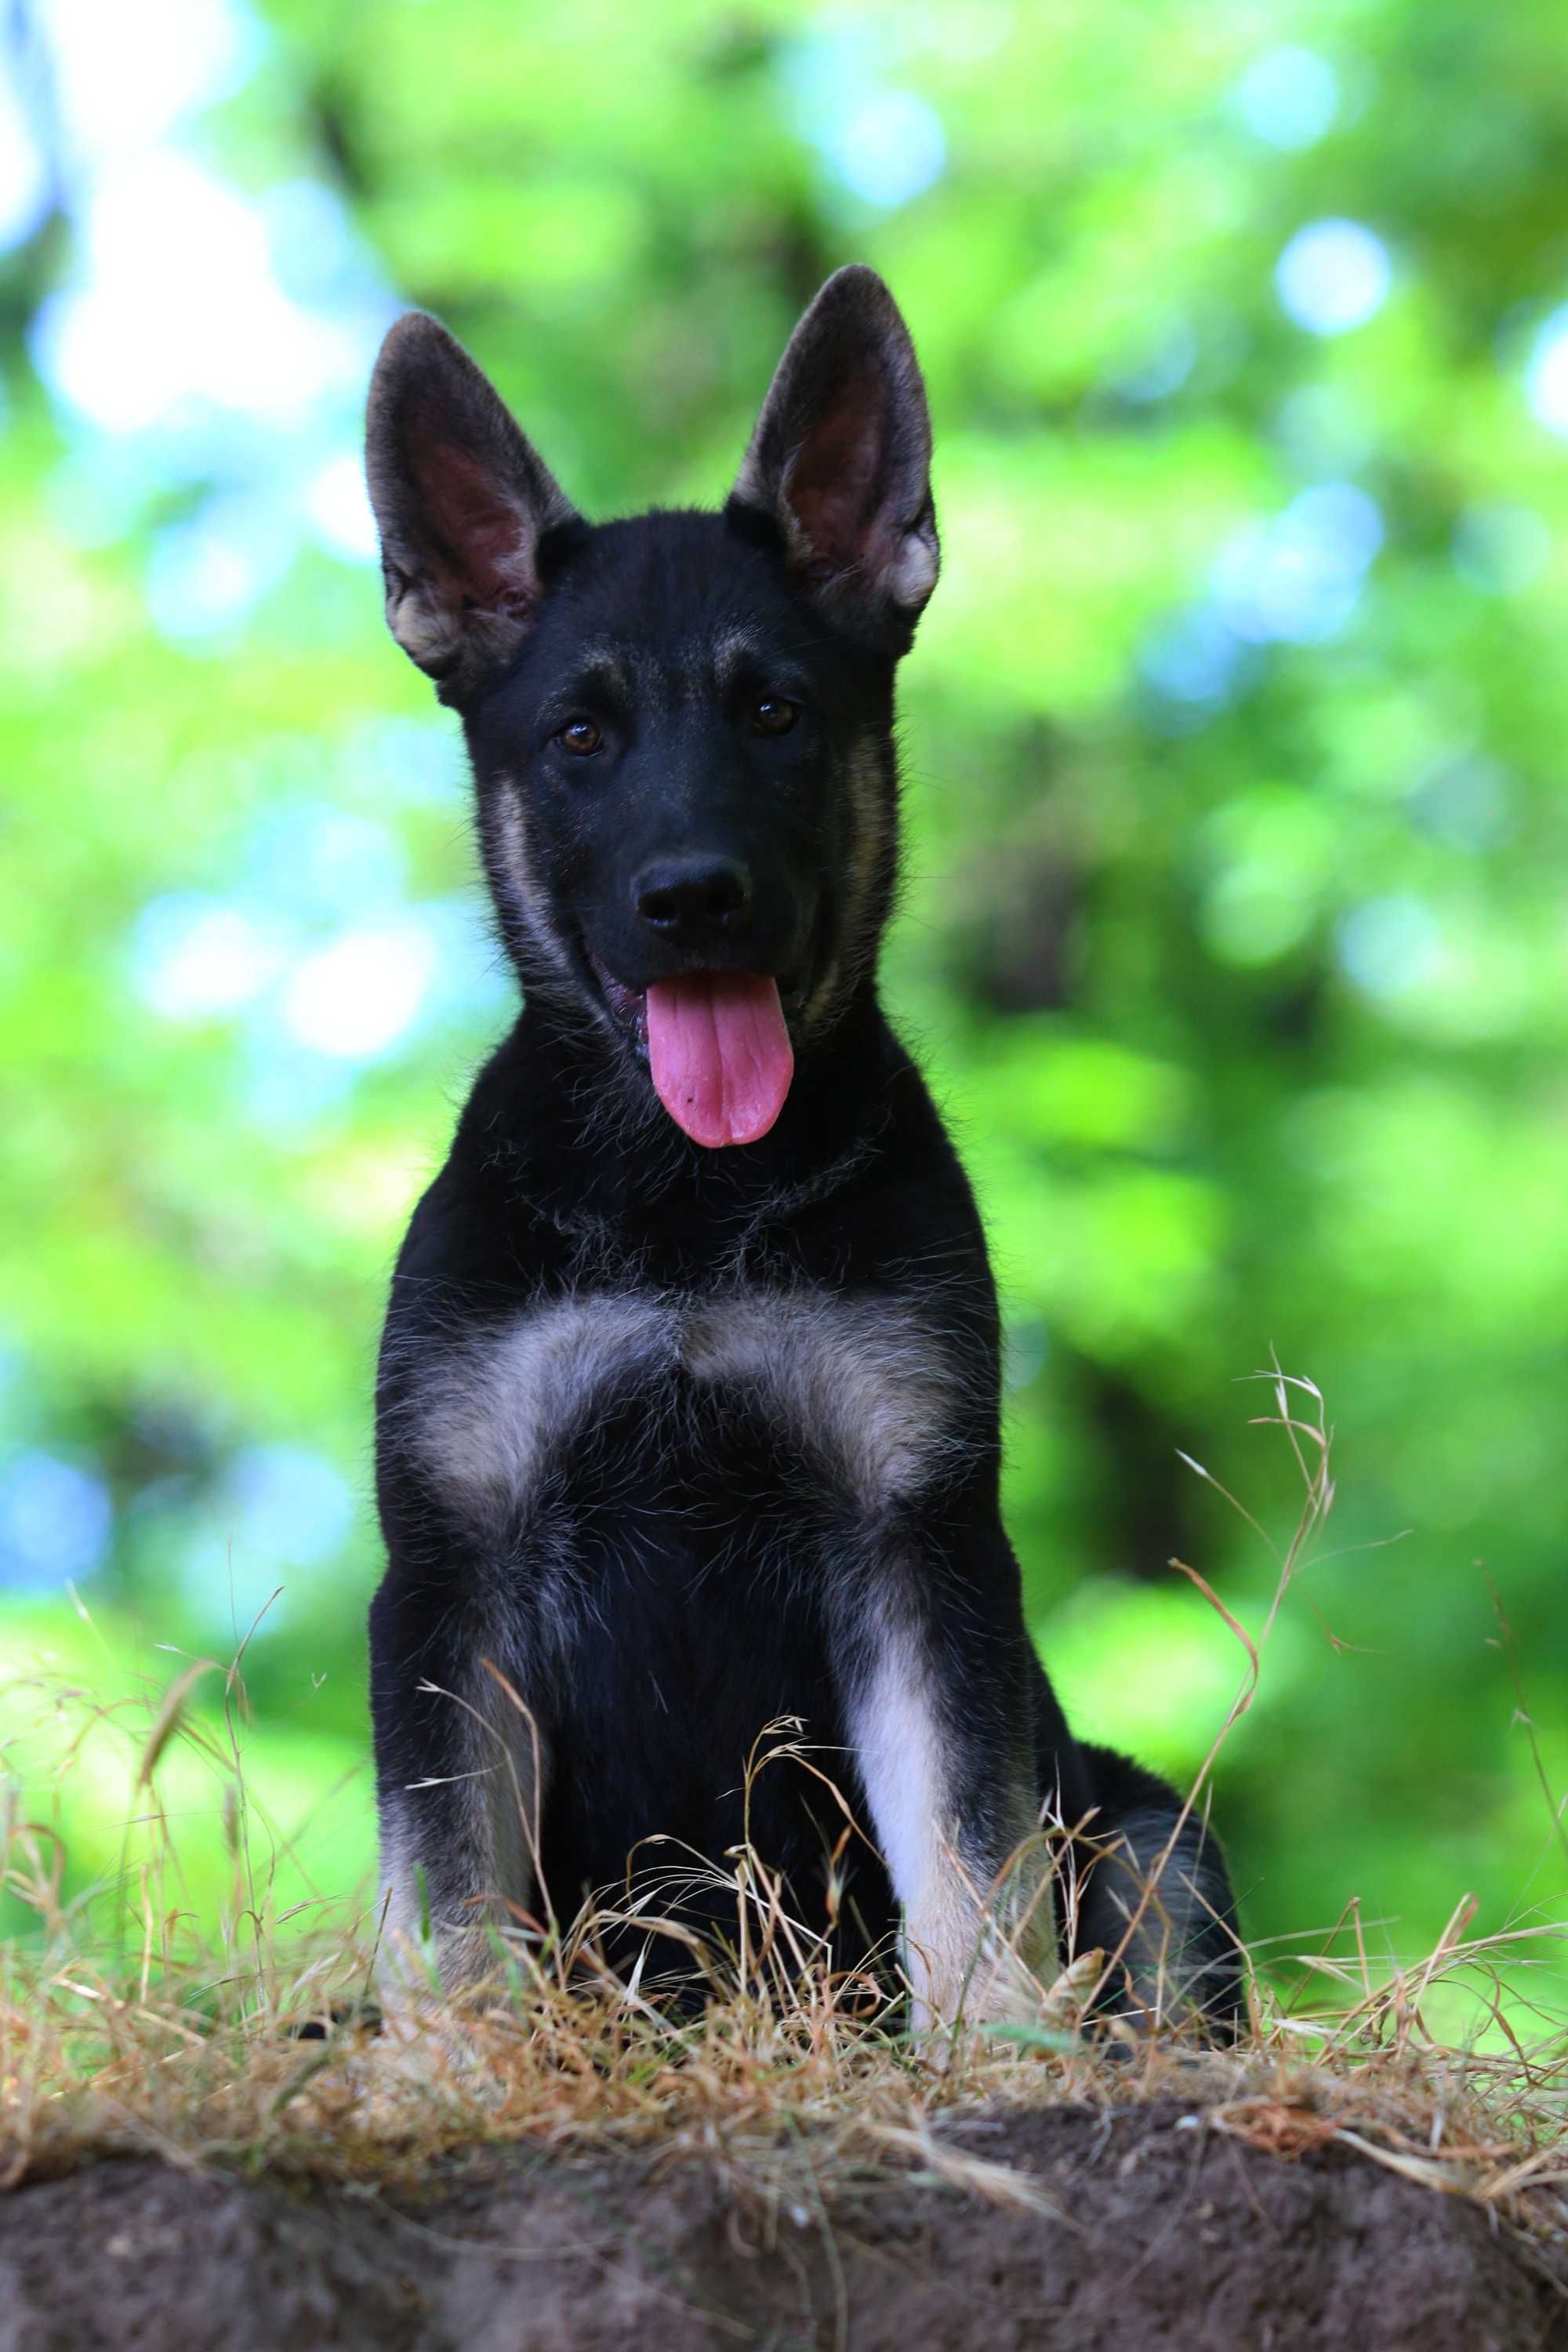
581 735
774 716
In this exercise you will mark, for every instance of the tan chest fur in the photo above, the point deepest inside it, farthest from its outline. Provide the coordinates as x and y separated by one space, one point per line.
861 1387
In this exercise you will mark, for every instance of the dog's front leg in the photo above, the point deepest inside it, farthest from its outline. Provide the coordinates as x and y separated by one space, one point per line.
461 1759
935 1673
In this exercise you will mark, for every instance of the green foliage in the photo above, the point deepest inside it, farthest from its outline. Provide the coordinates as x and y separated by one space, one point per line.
1233 935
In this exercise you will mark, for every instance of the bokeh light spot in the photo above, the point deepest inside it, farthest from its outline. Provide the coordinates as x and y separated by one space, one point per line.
1466 801
889 148
280 1508
317 863
1299 577
180 304
1389 945
56 1520
208 571
125 75
1193 659
24 181
355 998
1287 99
1333 275
1500 549
339 507
1546 379
197 957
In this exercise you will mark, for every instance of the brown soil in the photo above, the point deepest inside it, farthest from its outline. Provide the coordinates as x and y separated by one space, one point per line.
1169 2237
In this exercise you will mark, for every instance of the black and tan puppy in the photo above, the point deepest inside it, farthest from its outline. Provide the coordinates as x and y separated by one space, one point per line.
688 1414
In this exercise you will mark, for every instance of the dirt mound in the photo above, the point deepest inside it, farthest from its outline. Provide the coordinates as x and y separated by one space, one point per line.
1137 2230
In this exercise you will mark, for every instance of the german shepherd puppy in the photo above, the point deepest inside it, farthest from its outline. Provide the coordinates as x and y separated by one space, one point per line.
687 1406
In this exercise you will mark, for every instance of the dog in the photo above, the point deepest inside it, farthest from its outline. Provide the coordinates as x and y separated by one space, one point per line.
687 1405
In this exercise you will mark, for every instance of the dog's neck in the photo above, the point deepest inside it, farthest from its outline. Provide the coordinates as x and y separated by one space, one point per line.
568 1121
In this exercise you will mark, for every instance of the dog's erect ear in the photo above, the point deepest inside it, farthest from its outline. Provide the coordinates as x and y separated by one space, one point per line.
841 457
462 503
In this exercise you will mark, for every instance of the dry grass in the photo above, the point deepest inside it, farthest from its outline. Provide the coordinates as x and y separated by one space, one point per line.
124 2026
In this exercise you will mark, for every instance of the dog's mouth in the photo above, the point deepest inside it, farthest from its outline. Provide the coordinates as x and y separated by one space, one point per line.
717 1046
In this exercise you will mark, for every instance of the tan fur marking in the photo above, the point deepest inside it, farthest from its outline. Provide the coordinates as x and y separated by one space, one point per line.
863 1382
961 1951
869 847
865 1385
492 1413
517 873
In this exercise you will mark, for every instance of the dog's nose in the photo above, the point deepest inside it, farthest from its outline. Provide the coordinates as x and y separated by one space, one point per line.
689 898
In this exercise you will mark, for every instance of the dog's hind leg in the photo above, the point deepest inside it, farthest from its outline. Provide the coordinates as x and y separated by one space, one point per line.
1155 1899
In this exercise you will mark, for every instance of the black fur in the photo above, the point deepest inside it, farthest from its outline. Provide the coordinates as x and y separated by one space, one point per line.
687 1441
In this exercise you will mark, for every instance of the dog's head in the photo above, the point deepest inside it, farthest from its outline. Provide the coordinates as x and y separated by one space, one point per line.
680 725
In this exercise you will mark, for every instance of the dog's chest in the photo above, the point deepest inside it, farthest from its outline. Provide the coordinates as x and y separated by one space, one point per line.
855 1389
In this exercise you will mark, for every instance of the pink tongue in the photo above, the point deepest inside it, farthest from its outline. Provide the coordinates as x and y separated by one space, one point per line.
721 1054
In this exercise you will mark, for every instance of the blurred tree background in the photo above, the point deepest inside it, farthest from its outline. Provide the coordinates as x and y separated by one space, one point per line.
1234 939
